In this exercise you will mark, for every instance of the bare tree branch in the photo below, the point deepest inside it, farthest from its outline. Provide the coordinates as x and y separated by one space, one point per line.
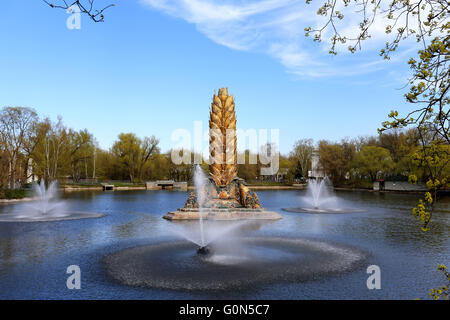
86 7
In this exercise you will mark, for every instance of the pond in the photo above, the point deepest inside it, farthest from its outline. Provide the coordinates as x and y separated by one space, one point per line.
34 256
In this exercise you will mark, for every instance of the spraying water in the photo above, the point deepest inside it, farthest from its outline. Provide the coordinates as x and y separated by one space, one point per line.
45 207
205 232
320 198
320 194
213 230
199 182
46 204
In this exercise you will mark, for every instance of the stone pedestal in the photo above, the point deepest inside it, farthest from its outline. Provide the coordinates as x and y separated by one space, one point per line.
233 202
223 214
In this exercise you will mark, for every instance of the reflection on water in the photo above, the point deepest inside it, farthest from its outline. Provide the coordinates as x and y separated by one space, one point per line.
406 256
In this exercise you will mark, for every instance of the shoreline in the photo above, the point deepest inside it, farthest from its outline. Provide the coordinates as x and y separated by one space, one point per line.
190 188
293 187
379 191
7 201
71 189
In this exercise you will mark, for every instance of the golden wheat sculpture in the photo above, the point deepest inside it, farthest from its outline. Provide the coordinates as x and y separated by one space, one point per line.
222 141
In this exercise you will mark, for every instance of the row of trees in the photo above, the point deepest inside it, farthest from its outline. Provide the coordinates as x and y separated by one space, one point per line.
43 149
31 147
389 155
394 154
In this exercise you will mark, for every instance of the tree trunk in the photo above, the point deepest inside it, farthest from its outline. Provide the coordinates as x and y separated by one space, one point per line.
13 172
93 170
131 177
10 175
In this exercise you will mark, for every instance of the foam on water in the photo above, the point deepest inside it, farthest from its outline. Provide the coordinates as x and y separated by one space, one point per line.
175 265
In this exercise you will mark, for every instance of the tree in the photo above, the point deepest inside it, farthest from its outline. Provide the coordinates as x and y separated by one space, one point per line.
133 154
106 164
87 7
302 153
247 170
400 144
332 160
372 160
149 147
336 159
81 151
429 90
158 168
433 158
16 125
128 150
428 22
288 168
52 152
3 169
401 18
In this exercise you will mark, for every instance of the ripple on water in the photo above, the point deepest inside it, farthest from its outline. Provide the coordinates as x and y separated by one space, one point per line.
245 262
15 217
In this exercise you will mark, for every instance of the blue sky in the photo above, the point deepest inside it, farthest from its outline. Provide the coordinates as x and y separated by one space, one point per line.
153 66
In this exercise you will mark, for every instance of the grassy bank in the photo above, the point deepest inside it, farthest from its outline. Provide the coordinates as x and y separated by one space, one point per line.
267 184
355 185
14 194
99 185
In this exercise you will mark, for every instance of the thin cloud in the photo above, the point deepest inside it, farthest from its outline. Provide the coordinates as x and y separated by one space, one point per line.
275 27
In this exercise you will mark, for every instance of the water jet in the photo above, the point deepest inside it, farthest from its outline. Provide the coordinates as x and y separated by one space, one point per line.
45 207
320 198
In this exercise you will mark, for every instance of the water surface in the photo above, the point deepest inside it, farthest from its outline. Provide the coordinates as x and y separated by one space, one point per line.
34 256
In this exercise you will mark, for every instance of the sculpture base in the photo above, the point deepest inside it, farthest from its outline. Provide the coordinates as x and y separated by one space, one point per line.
223 214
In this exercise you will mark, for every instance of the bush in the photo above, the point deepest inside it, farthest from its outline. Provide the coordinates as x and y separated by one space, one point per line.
266 183
13 193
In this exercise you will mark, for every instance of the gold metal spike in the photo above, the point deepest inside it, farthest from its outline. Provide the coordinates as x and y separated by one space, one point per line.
222 142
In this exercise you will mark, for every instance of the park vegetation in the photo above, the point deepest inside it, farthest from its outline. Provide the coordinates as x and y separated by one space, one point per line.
427 23
36 148
421 154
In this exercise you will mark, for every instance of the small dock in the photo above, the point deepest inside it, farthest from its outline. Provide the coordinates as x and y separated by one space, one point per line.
107 187
166 185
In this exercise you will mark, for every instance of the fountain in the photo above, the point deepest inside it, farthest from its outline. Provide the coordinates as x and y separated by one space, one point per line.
223 196
45 207
46 203
207 231
237 260
320 198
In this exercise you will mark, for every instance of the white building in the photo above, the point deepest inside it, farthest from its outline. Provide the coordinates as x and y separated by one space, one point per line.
316 170
30 175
